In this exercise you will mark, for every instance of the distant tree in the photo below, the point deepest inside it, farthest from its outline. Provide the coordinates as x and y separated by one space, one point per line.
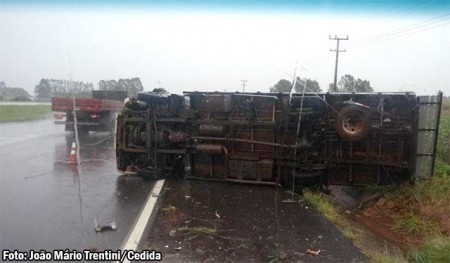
133 85
63 88
348 83
331 87
108 85
2 85
12 93
311 85
43 89
284 85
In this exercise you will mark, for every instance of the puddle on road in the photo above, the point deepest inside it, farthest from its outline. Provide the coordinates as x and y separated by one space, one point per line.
48 204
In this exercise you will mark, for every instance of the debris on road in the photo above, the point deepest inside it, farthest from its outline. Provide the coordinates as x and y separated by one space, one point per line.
252 236
312 252
100 228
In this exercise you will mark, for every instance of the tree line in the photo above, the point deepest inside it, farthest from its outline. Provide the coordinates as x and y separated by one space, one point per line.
347 83
62 88
47 88
13 93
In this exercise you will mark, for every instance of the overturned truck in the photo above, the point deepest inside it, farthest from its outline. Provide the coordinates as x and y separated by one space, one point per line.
280 138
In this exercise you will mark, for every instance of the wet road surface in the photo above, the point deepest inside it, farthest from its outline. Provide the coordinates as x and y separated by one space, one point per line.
47 204
219 222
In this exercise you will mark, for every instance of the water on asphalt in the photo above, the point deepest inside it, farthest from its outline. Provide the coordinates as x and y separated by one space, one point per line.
47 204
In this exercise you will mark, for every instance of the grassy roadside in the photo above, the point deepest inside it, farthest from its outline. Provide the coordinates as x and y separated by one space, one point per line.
428 217
419 214
12 113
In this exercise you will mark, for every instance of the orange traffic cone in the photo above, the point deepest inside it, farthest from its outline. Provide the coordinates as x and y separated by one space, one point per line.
73 154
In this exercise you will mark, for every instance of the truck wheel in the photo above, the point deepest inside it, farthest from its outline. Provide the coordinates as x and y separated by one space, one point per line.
121 162
311 180
352 123
68 127
83 131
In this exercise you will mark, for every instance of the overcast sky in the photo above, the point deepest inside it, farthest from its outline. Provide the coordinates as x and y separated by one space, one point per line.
397 47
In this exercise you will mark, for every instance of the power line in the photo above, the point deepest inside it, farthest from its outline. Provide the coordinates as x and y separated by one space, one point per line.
404 30
399 35
337 57
395 13
243 84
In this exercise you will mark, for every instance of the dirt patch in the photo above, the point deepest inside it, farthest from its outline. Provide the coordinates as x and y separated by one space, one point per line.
384 215
383 224
437 214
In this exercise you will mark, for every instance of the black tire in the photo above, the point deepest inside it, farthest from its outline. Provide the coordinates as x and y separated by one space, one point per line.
83 131
313 181
352 123
120 159
68 127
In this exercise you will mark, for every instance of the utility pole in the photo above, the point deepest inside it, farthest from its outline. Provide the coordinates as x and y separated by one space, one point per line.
337 57
243 84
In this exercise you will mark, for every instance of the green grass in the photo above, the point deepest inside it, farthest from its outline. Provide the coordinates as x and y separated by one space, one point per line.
11 113
435 191
318 201
350 234
169 208
385 258
432 194
434 251
435 195
412 223
443 150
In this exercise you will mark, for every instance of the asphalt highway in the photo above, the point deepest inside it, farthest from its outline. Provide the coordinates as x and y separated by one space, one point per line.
47 204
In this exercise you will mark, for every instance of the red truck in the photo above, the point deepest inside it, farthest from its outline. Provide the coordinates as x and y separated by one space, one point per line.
93 114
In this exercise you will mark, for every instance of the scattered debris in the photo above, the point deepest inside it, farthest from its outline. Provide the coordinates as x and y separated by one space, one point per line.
155 195
312 252
130 170
282 255
380 202
169 208
177 248
197 230
100 228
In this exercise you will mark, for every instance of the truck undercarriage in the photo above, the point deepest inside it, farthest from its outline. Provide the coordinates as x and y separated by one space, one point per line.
277 138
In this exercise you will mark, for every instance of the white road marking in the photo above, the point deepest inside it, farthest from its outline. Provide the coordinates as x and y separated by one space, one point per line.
136 233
